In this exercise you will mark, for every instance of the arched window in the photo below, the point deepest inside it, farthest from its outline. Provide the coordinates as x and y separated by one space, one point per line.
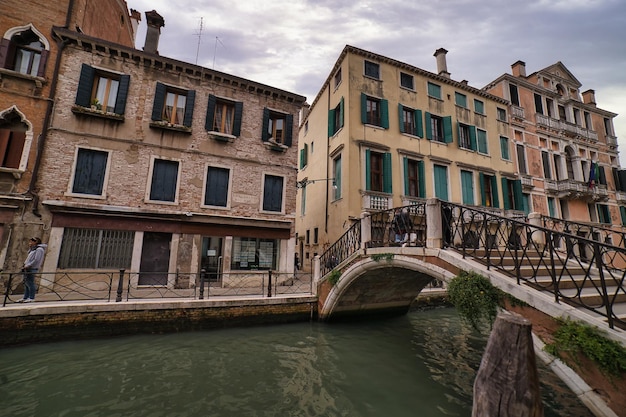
16 137
24 50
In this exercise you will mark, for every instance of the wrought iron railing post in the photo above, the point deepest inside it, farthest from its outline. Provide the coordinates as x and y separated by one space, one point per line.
120 287
202 273
269 283
605 296
552 267
6 293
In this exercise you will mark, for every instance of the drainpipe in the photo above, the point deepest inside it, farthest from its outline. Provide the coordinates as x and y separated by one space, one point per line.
327 156
46 122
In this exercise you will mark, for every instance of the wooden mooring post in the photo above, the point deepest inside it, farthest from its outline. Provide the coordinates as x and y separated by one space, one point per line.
507 384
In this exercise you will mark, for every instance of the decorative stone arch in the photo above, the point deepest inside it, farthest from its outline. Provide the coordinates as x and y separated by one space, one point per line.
19 29
358 269
13 120
9 46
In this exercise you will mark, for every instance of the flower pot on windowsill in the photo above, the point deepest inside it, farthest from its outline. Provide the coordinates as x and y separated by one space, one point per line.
90 111
161 124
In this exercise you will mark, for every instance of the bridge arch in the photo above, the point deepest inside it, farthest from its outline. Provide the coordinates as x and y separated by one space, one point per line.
383 286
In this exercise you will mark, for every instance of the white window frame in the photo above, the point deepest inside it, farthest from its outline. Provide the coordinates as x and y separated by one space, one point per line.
147 199
70 184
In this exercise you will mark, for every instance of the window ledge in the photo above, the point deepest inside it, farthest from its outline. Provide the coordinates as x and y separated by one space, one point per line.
93 111
277 147
221 137
170 126
17 174
39 81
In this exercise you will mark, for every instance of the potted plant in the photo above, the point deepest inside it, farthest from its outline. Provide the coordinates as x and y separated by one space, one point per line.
95 104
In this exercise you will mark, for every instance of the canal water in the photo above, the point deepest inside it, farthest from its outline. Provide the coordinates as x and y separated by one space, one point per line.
422 364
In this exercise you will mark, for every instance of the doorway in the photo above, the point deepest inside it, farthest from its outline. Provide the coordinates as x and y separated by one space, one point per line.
155 258
211 259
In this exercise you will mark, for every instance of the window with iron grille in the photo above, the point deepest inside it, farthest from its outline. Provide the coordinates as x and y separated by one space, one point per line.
96 249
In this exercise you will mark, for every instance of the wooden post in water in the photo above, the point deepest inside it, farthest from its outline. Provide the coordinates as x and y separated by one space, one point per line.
507 384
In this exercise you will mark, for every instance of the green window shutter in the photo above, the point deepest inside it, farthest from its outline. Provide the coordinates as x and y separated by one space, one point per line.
363 108
483 195
505 191
189 103
266 124
622 212
518 196
441 182
85 86
331 122
122 93
467 187
384 114
368 174
447 129
210 113
387 172
419 125
400 118
288 130
421 179
237 119
429 127
458 133
405 164
472 132
159 99
494 191
504 147
301 158
341 113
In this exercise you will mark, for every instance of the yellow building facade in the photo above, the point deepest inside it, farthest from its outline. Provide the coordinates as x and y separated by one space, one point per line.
382 134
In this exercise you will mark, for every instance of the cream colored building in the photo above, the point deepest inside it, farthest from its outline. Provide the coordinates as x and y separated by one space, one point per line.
382 134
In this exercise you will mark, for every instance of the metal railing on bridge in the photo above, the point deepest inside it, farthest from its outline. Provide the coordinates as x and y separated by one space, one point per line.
591 231
126 286
577 270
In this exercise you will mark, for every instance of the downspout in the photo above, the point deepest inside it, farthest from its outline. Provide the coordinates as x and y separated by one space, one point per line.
46 122
327 156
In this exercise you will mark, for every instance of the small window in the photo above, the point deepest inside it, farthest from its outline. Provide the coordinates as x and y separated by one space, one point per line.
587 117
460 100
273 193
521 158
277 127
25 52
224 116
216 189
436 125
304 156
434 90
481 139
173 106
415 184
335 119
406 81
408 121
337 78
538 104
513 94
504 148
374 111
337 177
90 172
479 106
545 159
608 127
164 183
101 90
465 137
372 70
316 233
250 253
502 114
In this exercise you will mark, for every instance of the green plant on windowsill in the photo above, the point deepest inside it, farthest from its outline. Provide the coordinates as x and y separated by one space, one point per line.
333 278
475 298
95 104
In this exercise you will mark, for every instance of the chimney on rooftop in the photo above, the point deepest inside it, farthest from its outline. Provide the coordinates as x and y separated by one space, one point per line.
442 67
155 23
518 69
589 97
135 18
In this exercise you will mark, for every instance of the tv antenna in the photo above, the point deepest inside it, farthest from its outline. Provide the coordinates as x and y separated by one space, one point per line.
215 50
199 35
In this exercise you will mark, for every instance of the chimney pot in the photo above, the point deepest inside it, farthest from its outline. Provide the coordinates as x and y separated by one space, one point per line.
155 22
442 66
589 97
518 69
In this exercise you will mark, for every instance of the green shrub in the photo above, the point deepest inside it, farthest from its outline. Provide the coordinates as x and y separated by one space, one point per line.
475 298
377 257
334 277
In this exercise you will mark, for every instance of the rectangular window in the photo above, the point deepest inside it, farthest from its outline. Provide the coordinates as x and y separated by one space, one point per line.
277 127
521 158
316 233
164 180
96 249
587 117
488 190
216 189
373 111
335 119
460 100
101 90
551 207
173 105
550 107
90 172
514 95
545 159
308 237
337 177
441 181
250 253
406 81
479 106
372 69
501 115
408 120
303 201
223 116
538 104
434 90
376 171
414 185
436 126
608 128
577 117
604 215
481 139
273 193
11 148
504 148
467 136
337 78
562 114
467 187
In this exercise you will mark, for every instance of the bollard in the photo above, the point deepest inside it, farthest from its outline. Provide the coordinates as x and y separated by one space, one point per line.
202 273
269 284
120 286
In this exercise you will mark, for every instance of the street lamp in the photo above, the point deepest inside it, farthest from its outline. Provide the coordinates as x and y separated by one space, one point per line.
305 182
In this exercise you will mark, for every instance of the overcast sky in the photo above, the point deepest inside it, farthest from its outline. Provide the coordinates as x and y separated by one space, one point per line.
293 44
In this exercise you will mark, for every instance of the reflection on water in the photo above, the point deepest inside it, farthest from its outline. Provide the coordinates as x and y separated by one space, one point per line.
421 364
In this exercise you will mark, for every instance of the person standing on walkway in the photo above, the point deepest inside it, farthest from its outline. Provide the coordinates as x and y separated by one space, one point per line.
33 262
